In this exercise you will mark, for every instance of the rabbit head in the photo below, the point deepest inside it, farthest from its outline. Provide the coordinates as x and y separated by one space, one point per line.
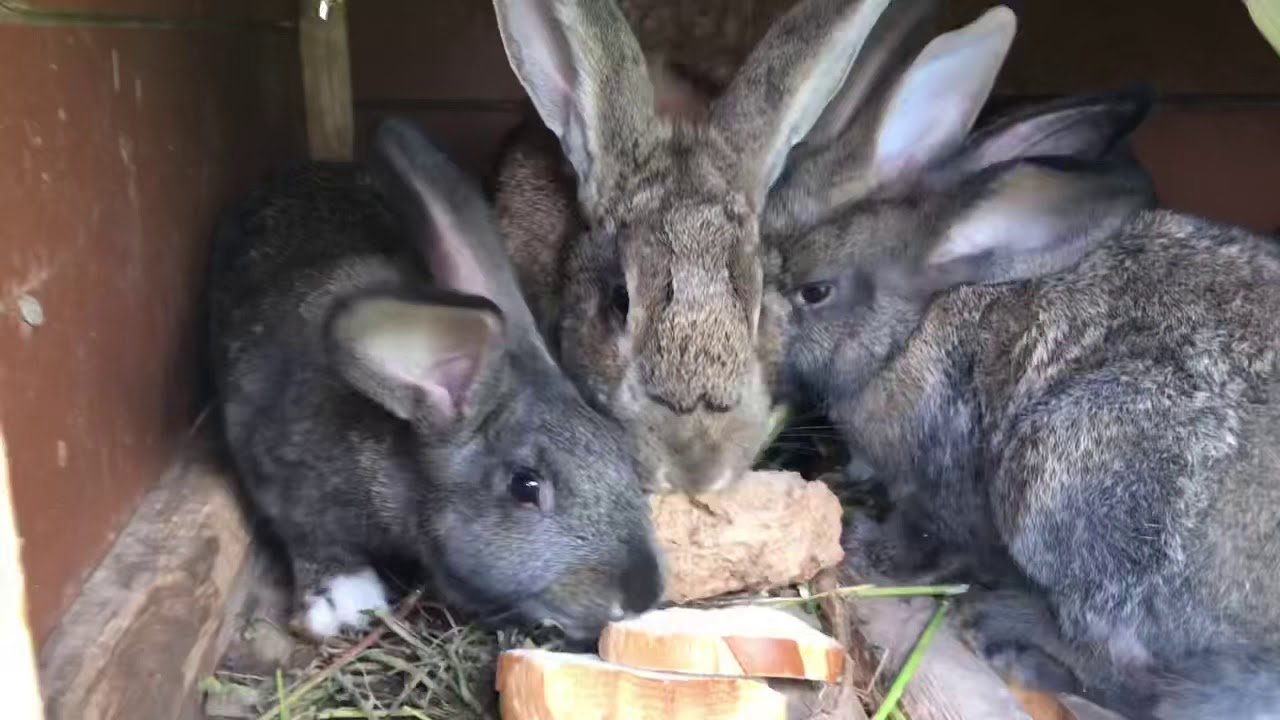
533 508
663 316
925 206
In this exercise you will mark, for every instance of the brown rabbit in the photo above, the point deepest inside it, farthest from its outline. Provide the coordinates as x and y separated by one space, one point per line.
641 255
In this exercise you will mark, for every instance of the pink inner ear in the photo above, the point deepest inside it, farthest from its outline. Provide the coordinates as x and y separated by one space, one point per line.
450 381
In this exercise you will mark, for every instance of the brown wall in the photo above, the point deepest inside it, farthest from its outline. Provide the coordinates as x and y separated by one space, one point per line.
116 145
1214 146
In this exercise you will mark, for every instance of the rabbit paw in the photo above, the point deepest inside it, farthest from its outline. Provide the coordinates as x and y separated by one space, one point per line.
341 602
1015 633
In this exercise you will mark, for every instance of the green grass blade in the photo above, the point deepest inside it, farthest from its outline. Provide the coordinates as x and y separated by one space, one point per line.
284 701
890 704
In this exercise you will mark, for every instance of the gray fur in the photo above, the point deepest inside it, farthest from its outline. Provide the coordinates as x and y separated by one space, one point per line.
375 413
1058 378
659 212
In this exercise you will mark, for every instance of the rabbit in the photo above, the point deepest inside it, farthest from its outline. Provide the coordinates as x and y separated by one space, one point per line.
379 407
1071 389
635 233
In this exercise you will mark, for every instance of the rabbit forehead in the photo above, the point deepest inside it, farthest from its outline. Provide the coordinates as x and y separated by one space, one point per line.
681 162
549 428
864 236
687 237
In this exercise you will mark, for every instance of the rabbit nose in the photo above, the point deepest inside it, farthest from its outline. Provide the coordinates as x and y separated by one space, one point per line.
641 580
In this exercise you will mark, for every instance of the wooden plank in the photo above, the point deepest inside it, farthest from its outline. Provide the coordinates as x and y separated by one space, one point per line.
147 625
17 657
951 683
326 79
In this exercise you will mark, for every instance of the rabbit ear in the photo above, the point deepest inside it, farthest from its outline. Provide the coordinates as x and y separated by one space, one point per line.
1031 219
787 82
421 361
899 34
1086 127
584 70
828 167
449 219
936 102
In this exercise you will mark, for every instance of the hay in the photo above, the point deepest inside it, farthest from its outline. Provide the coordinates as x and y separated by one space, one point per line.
417 662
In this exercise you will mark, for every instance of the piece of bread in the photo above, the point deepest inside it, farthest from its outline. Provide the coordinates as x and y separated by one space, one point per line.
740 641
769 530
544 685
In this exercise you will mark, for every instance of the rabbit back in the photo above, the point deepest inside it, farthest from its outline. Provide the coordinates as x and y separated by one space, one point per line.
305 239
1151 373
533 189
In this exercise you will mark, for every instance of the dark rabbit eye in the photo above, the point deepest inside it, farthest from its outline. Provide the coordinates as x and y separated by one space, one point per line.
620 300
526 487
815 294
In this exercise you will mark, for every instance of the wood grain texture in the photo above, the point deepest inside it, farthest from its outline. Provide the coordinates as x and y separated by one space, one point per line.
326 81
951 683
147 624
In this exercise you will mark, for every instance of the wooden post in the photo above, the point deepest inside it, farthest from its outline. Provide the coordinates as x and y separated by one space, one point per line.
326 80
17 657
147 625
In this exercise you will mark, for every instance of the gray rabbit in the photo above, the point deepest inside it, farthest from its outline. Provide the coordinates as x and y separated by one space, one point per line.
1072 392
632 218
374 415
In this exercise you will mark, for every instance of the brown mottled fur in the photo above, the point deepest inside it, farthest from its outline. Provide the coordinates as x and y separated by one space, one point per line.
651 287
1072 395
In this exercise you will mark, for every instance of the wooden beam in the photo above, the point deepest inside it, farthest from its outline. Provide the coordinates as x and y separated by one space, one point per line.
22 698
326 79
146 627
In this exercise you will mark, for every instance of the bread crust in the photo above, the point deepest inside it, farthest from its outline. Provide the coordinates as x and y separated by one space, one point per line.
544 685
789 651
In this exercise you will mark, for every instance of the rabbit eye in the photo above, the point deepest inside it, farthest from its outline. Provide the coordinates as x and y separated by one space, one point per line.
526 487
620 300
815 294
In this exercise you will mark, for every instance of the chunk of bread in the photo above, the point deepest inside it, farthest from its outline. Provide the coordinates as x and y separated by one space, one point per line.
544 685
768 530
741 641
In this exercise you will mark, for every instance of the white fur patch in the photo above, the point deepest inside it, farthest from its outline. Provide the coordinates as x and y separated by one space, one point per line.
344 602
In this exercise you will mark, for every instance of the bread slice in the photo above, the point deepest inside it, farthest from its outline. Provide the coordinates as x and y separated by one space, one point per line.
544 685
738 641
